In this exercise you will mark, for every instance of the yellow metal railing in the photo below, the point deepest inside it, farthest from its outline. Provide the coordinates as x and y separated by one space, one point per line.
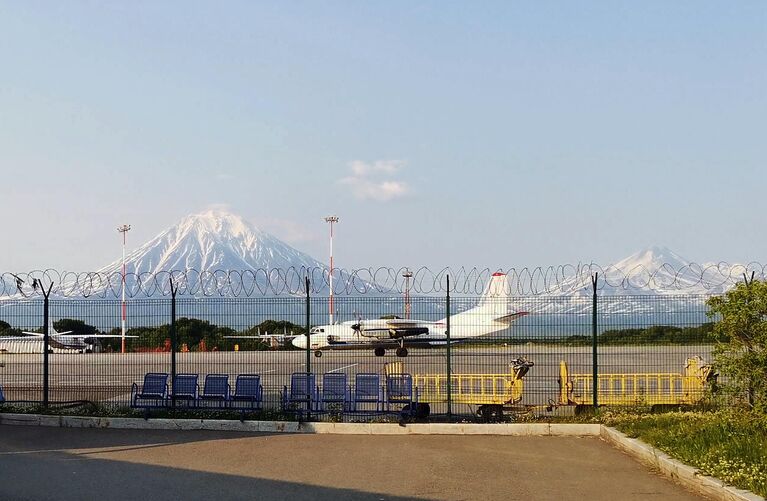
486 389
637 389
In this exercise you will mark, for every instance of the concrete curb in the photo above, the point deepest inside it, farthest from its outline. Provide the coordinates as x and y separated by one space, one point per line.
686 475
513 429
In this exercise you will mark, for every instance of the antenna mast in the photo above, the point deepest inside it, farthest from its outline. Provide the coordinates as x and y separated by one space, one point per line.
124 230
332 220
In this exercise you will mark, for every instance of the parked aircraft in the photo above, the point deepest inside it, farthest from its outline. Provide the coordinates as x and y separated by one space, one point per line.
274 340
62 340
489 316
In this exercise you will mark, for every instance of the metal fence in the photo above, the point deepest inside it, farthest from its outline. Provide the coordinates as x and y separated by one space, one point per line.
564 352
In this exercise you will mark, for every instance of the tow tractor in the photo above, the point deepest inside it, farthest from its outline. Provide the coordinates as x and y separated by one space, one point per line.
493 393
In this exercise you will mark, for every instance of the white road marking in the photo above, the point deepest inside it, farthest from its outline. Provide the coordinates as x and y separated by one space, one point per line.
344 367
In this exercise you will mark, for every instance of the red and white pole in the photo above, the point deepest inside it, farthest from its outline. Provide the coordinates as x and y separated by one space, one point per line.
331 220
124 230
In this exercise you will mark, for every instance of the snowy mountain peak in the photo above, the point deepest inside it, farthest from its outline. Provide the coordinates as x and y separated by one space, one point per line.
214 239
219 222
652 258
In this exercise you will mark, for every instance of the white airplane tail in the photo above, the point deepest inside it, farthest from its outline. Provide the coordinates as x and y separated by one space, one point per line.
496 299
492 314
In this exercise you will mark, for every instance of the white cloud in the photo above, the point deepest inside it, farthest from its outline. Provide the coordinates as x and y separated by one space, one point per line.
372 181
289 231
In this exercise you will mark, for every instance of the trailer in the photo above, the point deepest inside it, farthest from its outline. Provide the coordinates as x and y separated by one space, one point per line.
491 393
646 389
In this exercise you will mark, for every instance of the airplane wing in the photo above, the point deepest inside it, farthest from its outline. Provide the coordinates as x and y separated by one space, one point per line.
507 319
267 336
90 336
390 344
392 329
40 334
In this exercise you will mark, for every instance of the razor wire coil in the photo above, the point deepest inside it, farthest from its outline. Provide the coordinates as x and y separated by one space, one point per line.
268 282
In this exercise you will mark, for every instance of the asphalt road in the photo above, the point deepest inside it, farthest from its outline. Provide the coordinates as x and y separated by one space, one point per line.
108 376
39 464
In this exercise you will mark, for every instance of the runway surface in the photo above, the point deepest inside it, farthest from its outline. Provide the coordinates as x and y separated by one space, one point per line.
107 377
72 464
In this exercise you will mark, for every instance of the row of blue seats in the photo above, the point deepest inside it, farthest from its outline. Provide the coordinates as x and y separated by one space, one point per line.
368 394
216 391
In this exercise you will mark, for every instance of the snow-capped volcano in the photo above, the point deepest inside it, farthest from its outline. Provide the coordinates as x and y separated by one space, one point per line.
214 240
653 271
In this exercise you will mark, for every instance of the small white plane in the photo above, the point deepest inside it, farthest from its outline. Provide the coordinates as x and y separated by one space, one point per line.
64 340
489 316
274 340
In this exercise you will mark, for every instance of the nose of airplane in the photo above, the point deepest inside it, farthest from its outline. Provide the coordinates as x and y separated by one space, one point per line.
299 342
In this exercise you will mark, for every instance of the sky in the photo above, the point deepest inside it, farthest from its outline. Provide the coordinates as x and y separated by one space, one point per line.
440 133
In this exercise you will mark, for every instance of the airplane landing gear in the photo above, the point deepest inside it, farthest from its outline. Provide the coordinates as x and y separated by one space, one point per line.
401 352
379 352
317 353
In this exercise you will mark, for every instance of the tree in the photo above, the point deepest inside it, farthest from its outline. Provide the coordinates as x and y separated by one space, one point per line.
741 354
74 326
7 330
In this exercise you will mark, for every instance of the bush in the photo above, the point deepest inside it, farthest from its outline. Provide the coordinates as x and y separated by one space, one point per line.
741 354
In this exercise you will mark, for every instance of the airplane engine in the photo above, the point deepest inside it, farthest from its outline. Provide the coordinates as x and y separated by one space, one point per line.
414 331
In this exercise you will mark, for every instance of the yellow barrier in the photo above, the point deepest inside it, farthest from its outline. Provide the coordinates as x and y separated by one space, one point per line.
479 389
636 389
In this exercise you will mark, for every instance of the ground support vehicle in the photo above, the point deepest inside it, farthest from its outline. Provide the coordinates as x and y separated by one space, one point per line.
631 389
492 394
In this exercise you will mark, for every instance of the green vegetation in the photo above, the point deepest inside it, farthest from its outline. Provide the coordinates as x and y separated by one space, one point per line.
656 334
200 335
729 445
653 335
7 330
741 356
192 335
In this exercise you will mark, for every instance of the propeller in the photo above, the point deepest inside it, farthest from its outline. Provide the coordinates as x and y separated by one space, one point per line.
358 326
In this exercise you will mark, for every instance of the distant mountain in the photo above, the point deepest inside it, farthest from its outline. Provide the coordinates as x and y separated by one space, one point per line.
213 240
651 271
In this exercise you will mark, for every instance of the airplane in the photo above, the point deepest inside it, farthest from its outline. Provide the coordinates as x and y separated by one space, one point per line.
489 316
65 340
274 340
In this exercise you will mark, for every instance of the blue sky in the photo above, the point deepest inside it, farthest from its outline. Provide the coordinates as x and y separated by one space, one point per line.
442 133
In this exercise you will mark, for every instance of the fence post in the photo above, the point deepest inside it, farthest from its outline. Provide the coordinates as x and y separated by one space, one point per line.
308 349
750 389
449 353
173 343
46 345
594 361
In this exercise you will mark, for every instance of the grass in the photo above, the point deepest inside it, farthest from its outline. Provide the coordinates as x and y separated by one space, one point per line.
728 445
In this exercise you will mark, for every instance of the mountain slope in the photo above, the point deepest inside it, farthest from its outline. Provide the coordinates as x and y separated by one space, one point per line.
213 240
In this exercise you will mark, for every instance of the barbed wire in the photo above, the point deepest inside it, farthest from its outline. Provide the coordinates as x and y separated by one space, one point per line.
527 281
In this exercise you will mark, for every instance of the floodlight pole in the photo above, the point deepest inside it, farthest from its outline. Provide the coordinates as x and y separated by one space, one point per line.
408 275
124 230
332 220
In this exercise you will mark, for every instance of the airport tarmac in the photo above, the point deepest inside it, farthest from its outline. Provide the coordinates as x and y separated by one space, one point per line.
109 376
66 464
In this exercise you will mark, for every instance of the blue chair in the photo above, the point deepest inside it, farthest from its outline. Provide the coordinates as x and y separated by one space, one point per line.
368 390
336 394
153 393
400 391
185 389
248 394
302 396
215 390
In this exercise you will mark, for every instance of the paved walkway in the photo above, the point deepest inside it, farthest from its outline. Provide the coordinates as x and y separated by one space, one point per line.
38 463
